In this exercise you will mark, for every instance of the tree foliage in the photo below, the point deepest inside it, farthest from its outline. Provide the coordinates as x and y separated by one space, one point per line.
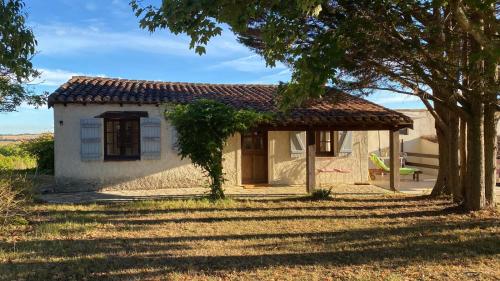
444 52
203 128
17 47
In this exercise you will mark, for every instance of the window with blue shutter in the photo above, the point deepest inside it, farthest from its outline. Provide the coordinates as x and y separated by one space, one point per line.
91 139
150 138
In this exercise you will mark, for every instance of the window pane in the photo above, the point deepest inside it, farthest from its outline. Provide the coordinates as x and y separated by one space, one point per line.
259 142
122 137
112 147
131 139
325 141
324 136
325 147
247 142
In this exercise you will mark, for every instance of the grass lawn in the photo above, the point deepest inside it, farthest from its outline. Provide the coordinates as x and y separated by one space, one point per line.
360 238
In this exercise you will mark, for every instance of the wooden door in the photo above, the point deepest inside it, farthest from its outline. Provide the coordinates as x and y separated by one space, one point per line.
254 157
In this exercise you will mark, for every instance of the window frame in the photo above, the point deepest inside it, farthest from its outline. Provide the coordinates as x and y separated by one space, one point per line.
404 131
121 157
333 144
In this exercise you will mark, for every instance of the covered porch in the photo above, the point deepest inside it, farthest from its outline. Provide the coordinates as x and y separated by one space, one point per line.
260 169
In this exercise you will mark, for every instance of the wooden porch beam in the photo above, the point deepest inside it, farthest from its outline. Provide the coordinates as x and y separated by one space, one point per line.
394 161
354 127
310 161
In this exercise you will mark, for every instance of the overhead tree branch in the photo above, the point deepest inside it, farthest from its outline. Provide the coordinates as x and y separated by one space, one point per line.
475 31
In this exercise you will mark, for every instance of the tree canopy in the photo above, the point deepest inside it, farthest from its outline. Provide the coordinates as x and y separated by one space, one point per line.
355 45
444 52
17 47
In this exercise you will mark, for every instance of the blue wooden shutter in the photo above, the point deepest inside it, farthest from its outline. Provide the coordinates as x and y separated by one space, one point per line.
150 138
297 143
345 142
90 139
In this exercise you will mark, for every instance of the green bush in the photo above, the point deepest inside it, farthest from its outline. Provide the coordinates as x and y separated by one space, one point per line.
12 150
14 157
16 162
42 149
321 194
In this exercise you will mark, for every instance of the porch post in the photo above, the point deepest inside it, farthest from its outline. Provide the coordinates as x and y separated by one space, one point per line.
310 160
394 161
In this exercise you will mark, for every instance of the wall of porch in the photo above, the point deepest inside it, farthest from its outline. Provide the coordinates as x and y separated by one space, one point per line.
287 169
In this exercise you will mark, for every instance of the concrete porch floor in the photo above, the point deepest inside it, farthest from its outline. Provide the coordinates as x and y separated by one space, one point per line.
407 184
422 187
378 186
254 192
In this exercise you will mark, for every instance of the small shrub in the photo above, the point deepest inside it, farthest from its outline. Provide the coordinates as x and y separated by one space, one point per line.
42 149
321 194
15 191
12 150
16 162
14 157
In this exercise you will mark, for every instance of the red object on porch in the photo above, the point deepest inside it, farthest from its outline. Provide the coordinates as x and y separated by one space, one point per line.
334 170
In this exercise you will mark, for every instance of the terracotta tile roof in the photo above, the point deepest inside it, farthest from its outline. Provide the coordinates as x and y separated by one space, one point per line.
337 109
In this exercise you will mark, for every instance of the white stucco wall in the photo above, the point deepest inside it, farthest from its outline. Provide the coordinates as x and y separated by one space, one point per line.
170 171
72 173
288 170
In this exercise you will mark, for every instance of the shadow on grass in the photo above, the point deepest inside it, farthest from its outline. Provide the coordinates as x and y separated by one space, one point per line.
110 211
130 257
117 217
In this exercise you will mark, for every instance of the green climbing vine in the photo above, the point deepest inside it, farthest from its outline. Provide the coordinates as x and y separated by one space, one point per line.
203 128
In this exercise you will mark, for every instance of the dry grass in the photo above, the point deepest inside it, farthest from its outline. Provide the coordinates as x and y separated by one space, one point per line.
358 238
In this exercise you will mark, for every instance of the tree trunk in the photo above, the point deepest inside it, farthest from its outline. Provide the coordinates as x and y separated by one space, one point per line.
463 159
490 153
475 190
442 185
454 168
491 76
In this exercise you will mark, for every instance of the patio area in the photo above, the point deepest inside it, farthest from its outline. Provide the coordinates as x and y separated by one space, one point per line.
407 184
379 186
238 192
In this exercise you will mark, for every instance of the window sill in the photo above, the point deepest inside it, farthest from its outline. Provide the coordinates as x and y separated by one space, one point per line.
325 155
121 159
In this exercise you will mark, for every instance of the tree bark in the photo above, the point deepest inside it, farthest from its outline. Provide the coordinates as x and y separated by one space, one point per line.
454 167
442 186
475 190
463 159
490 119
490 153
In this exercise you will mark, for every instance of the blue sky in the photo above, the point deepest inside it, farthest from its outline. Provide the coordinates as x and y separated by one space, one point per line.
102 38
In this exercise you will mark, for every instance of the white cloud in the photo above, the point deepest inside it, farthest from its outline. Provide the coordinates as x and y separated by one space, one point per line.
56 77
252 63
63 39
392 99
273 78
